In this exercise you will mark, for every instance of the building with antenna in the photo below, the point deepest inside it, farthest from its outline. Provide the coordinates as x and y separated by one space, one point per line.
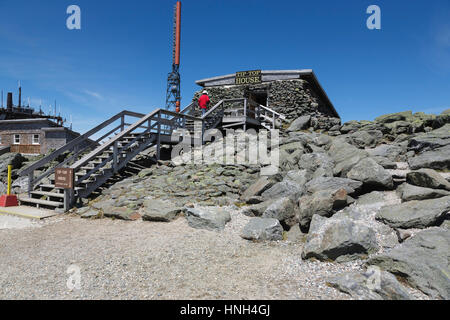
24 130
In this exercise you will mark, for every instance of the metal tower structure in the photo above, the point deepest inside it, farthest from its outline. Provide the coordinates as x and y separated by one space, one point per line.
173 95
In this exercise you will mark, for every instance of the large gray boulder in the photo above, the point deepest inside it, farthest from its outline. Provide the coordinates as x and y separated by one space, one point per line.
256 210
427 178
283 210
324 203
415 214
364 210
333 184
399 127
20 185
386 163
300 124
373 284
90 214
213 219
263 229
290 154
363 138
300 177
390 151
160 211
371 174
423 261
339 240
350 126
317 164
293 147
256 189
394 117
438 159
285 188
345 156
121 213
410 192
431 140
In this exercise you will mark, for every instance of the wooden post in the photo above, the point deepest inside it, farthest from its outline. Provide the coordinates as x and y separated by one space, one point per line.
115 153
68 199
245 115
245 108
122 123
158 143
30 183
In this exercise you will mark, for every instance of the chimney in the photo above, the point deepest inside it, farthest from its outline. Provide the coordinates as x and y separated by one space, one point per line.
20 96
9 102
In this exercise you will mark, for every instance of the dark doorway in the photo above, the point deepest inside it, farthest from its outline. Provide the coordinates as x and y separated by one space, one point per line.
259 96
256 97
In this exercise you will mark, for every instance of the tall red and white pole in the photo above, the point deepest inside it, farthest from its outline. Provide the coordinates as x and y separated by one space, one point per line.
173 96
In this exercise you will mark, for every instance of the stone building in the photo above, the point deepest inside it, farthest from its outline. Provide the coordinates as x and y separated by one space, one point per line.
293 93
34 136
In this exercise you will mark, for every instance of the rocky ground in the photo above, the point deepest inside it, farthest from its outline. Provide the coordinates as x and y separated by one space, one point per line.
357 212
151 260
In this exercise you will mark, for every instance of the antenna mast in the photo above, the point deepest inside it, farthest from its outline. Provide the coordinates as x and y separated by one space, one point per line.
173 95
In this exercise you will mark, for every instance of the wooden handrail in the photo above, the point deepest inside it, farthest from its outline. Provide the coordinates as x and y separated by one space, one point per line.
282 117
126 132
68 146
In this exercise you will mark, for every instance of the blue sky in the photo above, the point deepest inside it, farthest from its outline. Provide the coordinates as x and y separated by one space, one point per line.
121 56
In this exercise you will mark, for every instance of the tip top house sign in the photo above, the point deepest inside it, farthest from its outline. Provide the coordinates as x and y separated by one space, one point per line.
248 77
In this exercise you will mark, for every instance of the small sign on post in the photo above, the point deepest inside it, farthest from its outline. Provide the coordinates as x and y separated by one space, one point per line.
248 77
64 178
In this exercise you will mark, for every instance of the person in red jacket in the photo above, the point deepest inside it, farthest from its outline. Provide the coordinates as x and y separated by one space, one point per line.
203 102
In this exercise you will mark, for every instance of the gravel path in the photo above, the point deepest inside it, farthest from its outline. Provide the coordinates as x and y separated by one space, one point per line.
144 260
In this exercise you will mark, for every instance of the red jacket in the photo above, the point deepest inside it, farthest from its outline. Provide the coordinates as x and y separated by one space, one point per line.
203 101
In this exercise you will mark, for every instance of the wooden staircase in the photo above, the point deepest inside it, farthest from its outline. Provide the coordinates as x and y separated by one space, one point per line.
94 162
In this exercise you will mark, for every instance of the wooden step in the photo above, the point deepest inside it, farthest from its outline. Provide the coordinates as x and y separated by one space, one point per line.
132 138
49 186
112 152
79 174
48 194
42 202
52 186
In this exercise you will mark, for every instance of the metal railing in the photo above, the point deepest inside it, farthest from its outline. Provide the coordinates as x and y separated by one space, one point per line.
242 108
158 124
77 146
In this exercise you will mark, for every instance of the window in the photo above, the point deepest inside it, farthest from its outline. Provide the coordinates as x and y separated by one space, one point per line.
17 139
35 139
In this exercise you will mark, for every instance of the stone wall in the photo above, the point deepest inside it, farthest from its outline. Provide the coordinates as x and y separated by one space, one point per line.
293 98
